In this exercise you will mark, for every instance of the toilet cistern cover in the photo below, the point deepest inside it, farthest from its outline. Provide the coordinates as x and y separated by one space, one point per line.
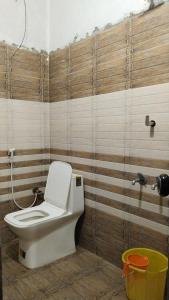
58 184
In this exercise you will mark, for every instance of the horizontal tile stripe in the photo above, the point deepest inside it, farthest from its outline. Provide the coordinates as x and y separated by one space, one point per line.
22 182
111 230
9 206
162 210
23 176
140 195
6 197
20 152
155 199
124 175
22 164
129 217
138 161
110 172
120 187
20 194
24 170
128 208
147 171
26 158
20 188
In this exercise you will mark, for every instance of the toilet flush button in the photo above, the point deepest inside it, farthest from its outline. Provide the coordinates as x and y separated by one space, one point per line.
78 181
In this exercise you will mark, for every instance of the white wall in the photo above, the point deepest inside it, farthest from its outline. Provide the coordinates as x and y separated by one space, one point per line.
71 17
12 22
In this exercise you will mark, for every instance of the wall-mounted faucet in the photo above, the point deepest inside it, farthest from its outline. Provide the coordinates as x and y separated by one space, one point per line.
154 186
139 179
162 185
149 122
11 152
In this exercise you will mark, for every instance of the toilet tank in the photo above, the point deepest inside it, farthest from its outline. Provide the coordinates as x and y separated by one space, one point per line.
58 184
76 195
64 189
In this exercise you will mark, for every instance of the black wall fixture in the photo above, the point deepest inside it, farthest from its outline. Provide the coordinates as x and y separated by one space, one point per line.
162 185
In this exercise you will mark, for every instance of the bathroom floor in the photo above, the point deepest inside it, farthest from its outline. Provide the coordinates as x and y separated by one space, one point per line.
80 276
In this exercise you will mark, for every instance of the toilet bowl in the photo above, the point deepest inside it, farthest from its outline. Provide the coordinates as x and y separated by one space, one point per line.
47 232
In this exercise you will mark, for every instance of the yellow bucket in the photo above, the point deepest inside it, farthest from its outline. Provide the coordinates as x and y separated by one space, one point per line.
146 284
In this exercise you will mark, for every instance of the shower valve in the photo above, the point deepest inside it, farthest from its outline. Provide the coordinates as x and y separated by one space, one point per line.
154 186
139 179
11 152
37 191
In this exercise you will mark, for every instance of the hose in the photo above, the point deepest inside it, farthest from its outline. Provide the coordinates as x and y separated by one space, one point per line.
12 188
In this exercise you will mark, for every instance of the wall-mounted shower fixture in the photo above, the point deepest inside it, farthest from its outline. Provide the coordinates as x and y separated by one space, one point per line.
154 186
162 185
11 152
139 179
37 192
149 122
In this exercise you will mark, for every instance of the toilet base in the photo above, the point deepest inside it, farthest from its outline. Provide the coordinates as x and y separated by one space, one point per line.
47 249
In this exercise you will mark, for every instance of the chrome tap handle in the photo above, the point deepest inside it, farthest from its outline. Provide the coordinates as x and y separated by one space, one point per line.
140 179
154 186
134 181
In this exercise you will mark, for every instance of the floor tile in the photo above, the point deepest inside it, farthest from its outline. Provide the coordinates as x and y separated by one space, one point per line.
81 276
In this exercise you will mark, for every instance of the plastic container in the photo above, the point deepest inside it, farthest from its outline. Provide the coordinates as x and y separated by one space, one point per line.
137 261
146 284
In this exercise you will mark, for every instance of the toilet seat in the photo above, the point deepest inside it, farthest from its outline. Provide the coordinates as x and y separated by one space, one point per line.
35 215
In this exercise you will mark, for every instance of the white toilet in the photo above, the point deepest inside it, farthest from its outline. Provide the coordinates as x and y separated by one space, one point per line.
47 232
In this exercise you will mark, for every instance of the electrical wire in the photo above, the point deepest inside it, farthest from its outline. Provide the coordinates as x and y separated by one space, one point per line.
12 188
25 31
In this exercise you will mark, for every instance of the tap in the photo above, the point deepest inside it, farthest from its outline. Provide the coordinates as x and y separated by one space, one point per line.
139 179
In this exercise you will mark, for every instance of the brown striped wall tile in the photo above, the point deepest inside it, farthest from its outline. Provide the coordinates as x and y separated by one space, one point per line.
20 188
156 217
25 74
23 164
130 52
112 236
131 160
24 176
90 71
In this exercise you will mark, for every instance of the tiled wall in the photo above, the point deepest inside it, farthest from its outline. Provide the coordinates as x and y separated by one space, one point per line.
133 53
102 131
24 74
104 136
24 125
105 139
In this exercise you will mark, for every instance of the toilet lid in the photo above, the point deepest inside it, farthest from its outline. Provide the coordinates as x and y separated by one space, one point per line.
58 184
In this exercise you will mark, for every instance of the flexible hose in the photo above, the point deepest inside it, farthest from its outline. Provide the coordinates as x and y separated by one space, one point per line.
12 188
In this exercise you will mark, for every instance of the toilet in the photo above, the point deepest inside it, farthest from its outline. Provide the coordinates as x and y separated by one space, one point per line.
47 232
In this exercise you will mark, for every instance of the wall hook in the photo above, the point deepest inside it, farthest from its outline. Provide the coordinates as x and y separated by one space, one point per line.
151 123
